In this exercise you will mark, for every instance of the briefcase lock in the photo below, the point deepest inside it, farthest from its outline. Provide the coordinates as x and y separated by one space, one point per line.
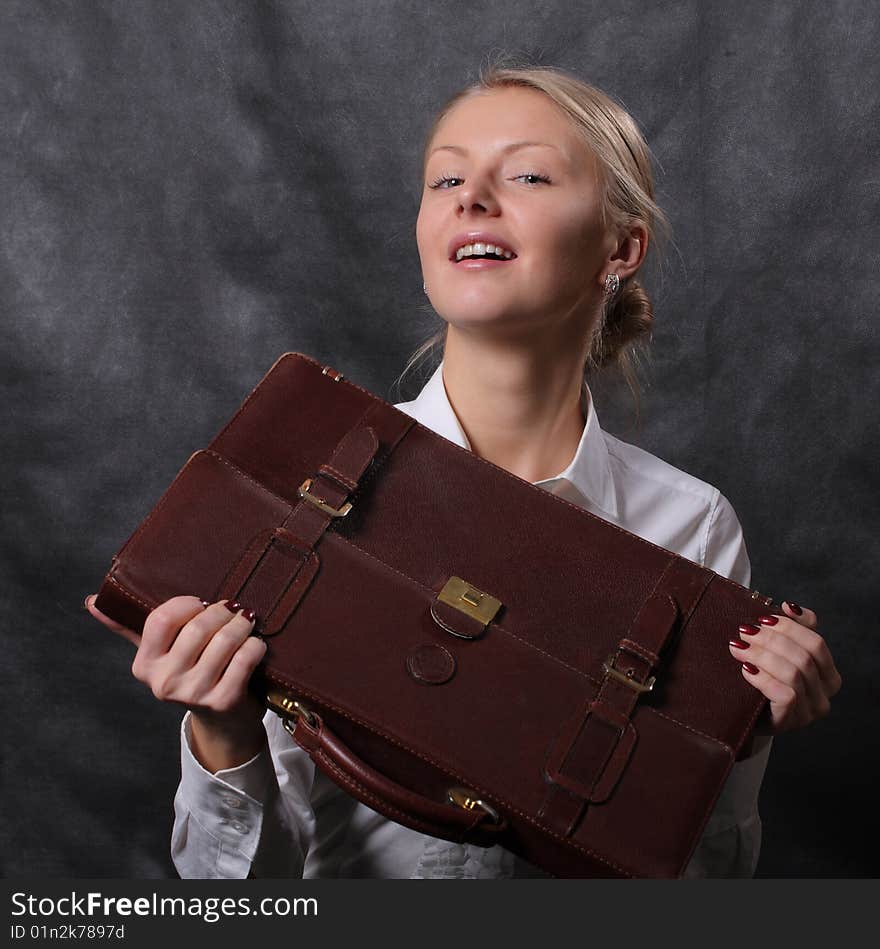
626 677
321 504
468 801
469 600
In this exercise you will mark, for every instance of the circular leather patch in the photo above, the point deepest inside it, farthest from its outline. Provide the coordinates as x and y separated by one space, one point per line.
431 664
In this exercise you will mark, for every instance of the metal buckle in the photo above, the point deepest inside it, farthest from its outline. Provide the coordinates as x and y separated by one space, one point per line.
321 504
466 800
627 677
289 709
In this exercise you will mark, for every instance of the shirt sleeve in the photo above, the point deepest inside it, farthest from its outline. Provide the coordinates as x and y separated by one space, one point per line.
252 820
725 548
731 842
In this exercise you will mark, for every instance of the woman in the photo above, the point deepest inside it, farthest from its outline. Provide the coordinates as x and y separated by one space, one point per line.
536 215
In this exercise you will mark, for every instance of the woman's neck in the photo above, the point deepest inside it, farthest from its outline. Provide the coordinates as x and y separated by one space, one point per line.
520 407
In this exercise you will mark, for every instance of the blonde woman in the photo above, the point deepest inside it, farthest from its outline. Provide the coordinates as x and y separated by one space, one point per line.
536 215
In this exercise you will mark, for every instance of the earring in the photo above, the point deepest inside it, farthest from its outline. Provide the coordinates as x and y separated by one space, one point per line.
424 287
612 284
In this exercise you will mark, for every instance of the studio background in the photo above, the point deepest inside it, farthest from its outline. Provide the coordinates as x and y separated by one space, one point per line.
188 190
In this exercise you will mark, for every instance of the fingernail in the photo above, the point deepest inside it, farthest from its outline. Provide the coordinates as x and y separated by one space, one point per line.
86 602
794 608
768 620
738 644
750 629
752 670
249 615
232 607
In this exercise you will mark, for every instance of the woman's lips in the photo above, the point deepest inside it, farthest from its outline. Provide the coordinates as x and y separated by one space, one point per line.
480 263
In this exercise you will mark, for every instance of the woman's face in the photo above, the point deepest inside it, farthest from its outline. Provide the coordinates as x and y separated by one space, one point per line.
540 201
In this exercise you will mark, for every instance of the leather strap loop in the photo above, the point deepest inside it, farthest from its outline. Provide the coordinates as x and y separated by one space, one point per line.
591 753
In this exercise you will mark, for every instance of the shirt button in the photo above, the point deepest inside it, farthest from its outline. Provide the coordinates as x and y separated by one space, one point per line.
237 825
231 801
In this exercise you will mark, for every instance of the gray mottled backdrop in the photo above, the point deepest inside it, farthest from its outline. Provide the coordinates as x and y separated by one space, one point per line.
189 189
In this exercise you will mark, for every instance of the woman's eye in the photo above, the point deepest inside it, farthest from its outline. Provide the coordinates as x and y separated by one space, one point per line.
438 182
536 176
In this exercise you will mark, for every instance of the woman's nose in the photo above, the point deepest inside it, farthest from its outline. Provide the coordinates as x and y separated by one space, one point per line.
477 194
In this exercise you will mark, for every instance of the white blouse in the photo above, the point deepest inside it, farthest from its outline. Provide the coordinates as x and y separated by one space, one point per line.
279 816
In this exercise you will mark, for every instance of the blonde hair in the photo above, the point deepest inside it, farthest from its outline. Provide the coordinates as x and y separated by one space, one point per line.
627 183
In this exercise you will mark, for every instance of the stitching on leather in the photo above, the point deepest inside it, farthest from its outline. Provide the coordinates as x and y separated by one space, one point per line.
690 728
632 646
128 594
343 479
247 477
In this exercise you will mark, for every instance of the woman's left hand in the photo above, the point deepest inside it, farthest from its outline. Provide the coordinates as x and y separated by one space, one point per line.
788 661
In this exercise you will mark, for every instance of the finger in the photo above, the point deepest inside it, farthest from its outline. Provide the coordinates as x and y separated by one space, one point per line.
218 652
810 640
801 615
232 685
112 625
783 709
164 623
198 632
798 669
793 668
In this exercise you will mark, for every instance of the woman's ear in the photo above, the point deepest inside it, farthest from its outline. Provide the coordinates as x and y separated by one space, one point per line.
628 255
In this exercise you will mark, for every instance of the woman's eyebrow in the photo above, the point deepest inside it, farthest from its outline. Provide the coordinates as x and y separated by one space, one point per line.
513 146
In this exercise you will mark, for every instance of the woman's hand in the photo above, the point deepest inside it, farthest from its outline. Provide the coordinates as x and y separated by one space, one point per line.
202 655
788 661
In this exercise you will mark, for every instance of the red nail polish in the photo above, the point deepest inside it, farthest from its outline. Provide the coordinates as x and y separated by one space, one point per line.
232 607
249 615
794 608
738 644
752 670
750 629
768 620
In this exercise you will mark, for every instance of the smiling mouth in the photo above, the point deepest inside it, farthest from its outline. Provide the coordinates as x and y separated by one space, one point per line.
483 251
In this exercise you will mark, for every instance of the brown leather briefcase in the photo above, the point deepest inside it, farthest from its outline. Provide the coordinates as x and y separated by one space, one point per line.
459 649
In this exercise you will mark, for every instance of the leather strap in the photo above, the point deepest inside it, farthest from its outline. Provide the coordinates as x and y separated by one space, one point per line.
592 751
279 564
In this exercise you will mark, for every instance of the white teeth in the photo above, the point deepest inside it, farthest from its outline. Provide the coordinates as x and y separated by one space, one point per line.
478 249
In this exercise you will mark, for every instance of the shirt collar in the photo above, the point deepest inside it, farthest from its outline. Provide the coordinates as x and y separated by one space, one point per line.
586 481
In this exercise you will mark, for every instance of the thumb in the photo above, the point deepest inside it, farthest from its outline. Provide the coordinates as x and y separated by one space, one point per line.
112 625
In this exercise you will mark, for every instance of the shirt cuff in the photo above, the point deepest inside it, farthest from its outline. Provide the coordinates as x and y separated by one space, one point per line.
228 804
738 801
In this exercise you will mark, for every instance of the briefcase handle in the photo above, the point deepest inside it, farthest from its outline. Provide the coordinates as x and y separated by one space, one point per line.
469 819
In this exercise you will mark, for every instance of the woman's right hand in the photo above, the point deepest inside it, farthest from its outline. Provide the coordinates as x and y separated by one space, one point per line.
201 656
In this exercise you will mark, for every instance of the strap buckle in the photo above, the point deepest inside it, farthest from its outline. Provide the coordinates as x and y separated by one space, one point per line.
304 489
627 677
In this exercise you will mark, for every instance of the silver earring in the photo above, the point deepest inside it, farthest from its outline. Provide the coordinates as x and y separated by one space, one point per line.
612 284
424 287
